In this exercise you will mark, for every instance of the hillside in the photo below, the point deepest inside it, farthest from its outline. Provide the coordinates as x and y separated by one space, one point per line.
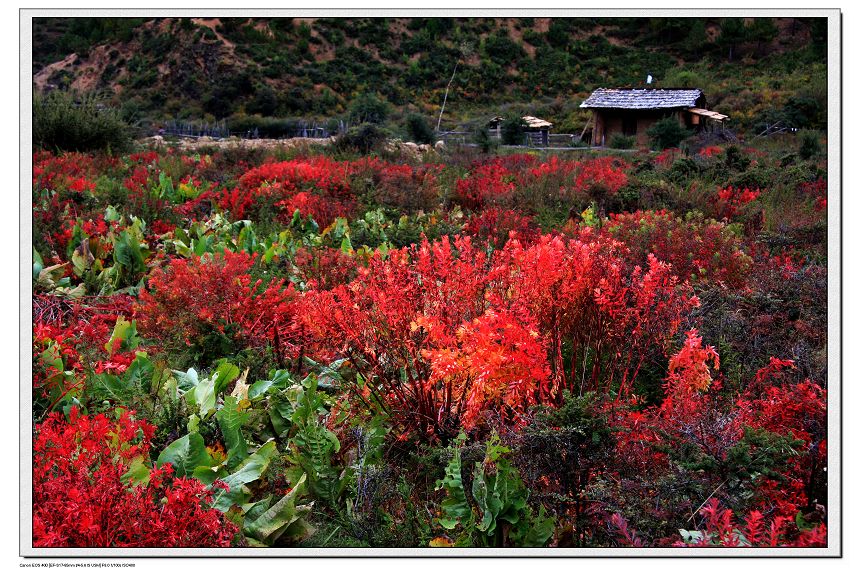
753 70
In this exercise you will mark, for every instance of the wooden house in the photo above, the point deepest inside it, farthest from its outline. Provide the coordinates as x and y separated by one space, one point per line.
632 112
537 130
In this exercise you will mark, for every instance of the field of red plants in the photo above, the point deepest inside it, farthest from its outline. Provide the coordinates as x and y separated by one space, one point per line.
272 348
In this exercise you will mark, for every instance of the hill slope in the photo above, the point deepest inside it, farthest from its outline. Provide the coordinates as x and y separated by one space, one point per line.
315 67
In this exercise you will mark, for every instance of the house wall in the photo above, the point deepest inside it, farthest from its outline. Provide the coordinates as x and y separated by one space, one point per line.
608 122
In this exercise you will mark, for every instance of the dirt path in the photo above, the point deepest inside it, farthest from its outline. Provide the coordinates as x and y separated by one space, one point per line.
212 24
40 80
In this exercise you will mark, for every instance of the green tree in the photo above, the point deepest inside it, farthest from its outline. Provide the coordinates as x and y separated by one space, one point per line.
67 121
513 130
418 129
369 107
667 133
732 32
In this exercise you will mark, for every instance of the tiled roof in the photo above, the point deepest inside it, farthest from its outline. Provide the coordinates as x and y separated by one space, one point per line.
641 99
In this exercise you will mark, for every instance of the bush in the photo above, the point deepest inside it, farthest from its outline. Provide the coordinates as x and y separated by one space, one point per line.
619 141
667 133
418 129
369 107
63 121
809 146
364 138
513 130
484 141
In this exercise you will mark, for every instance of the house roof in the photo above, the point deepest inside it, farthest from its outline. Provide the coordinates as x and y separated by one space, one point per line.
531 122
536 123
641 99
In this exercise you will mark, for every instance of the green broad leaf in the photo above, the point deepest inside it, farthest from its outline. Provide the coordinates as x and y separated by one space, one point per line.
138 472
542 529
139 372
38 264
270 524
489 502
346 245
187 380
251 469
49 277
230 420
179 234
185 454
193 424
203 396
254 510
455 507
691 536
209 474
126 333
203 245
280 380
127 253
225 374
111 386
802 524
269 254
82 258
111 214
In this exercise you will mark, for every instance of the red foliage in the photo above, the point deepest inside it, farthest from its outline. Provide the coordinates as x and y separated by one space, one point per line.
189 298
700 250
721 528
424 323
80 498
371 322
586 296
817 190
604 175
318 186
492 362
711 151
667 157
63 332
496 225
731 200
487 183
497 180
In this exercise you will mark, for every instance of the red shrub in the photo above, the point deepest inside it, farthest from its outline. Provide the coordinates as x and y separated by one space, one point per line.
318 186
80 498
720 528
189 298
497 225
731 200
700 250
414 325
604 175
486 184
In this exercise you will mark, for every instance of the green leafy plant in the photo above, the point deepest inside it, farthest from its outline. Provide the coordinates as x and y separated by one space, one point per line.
498 513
